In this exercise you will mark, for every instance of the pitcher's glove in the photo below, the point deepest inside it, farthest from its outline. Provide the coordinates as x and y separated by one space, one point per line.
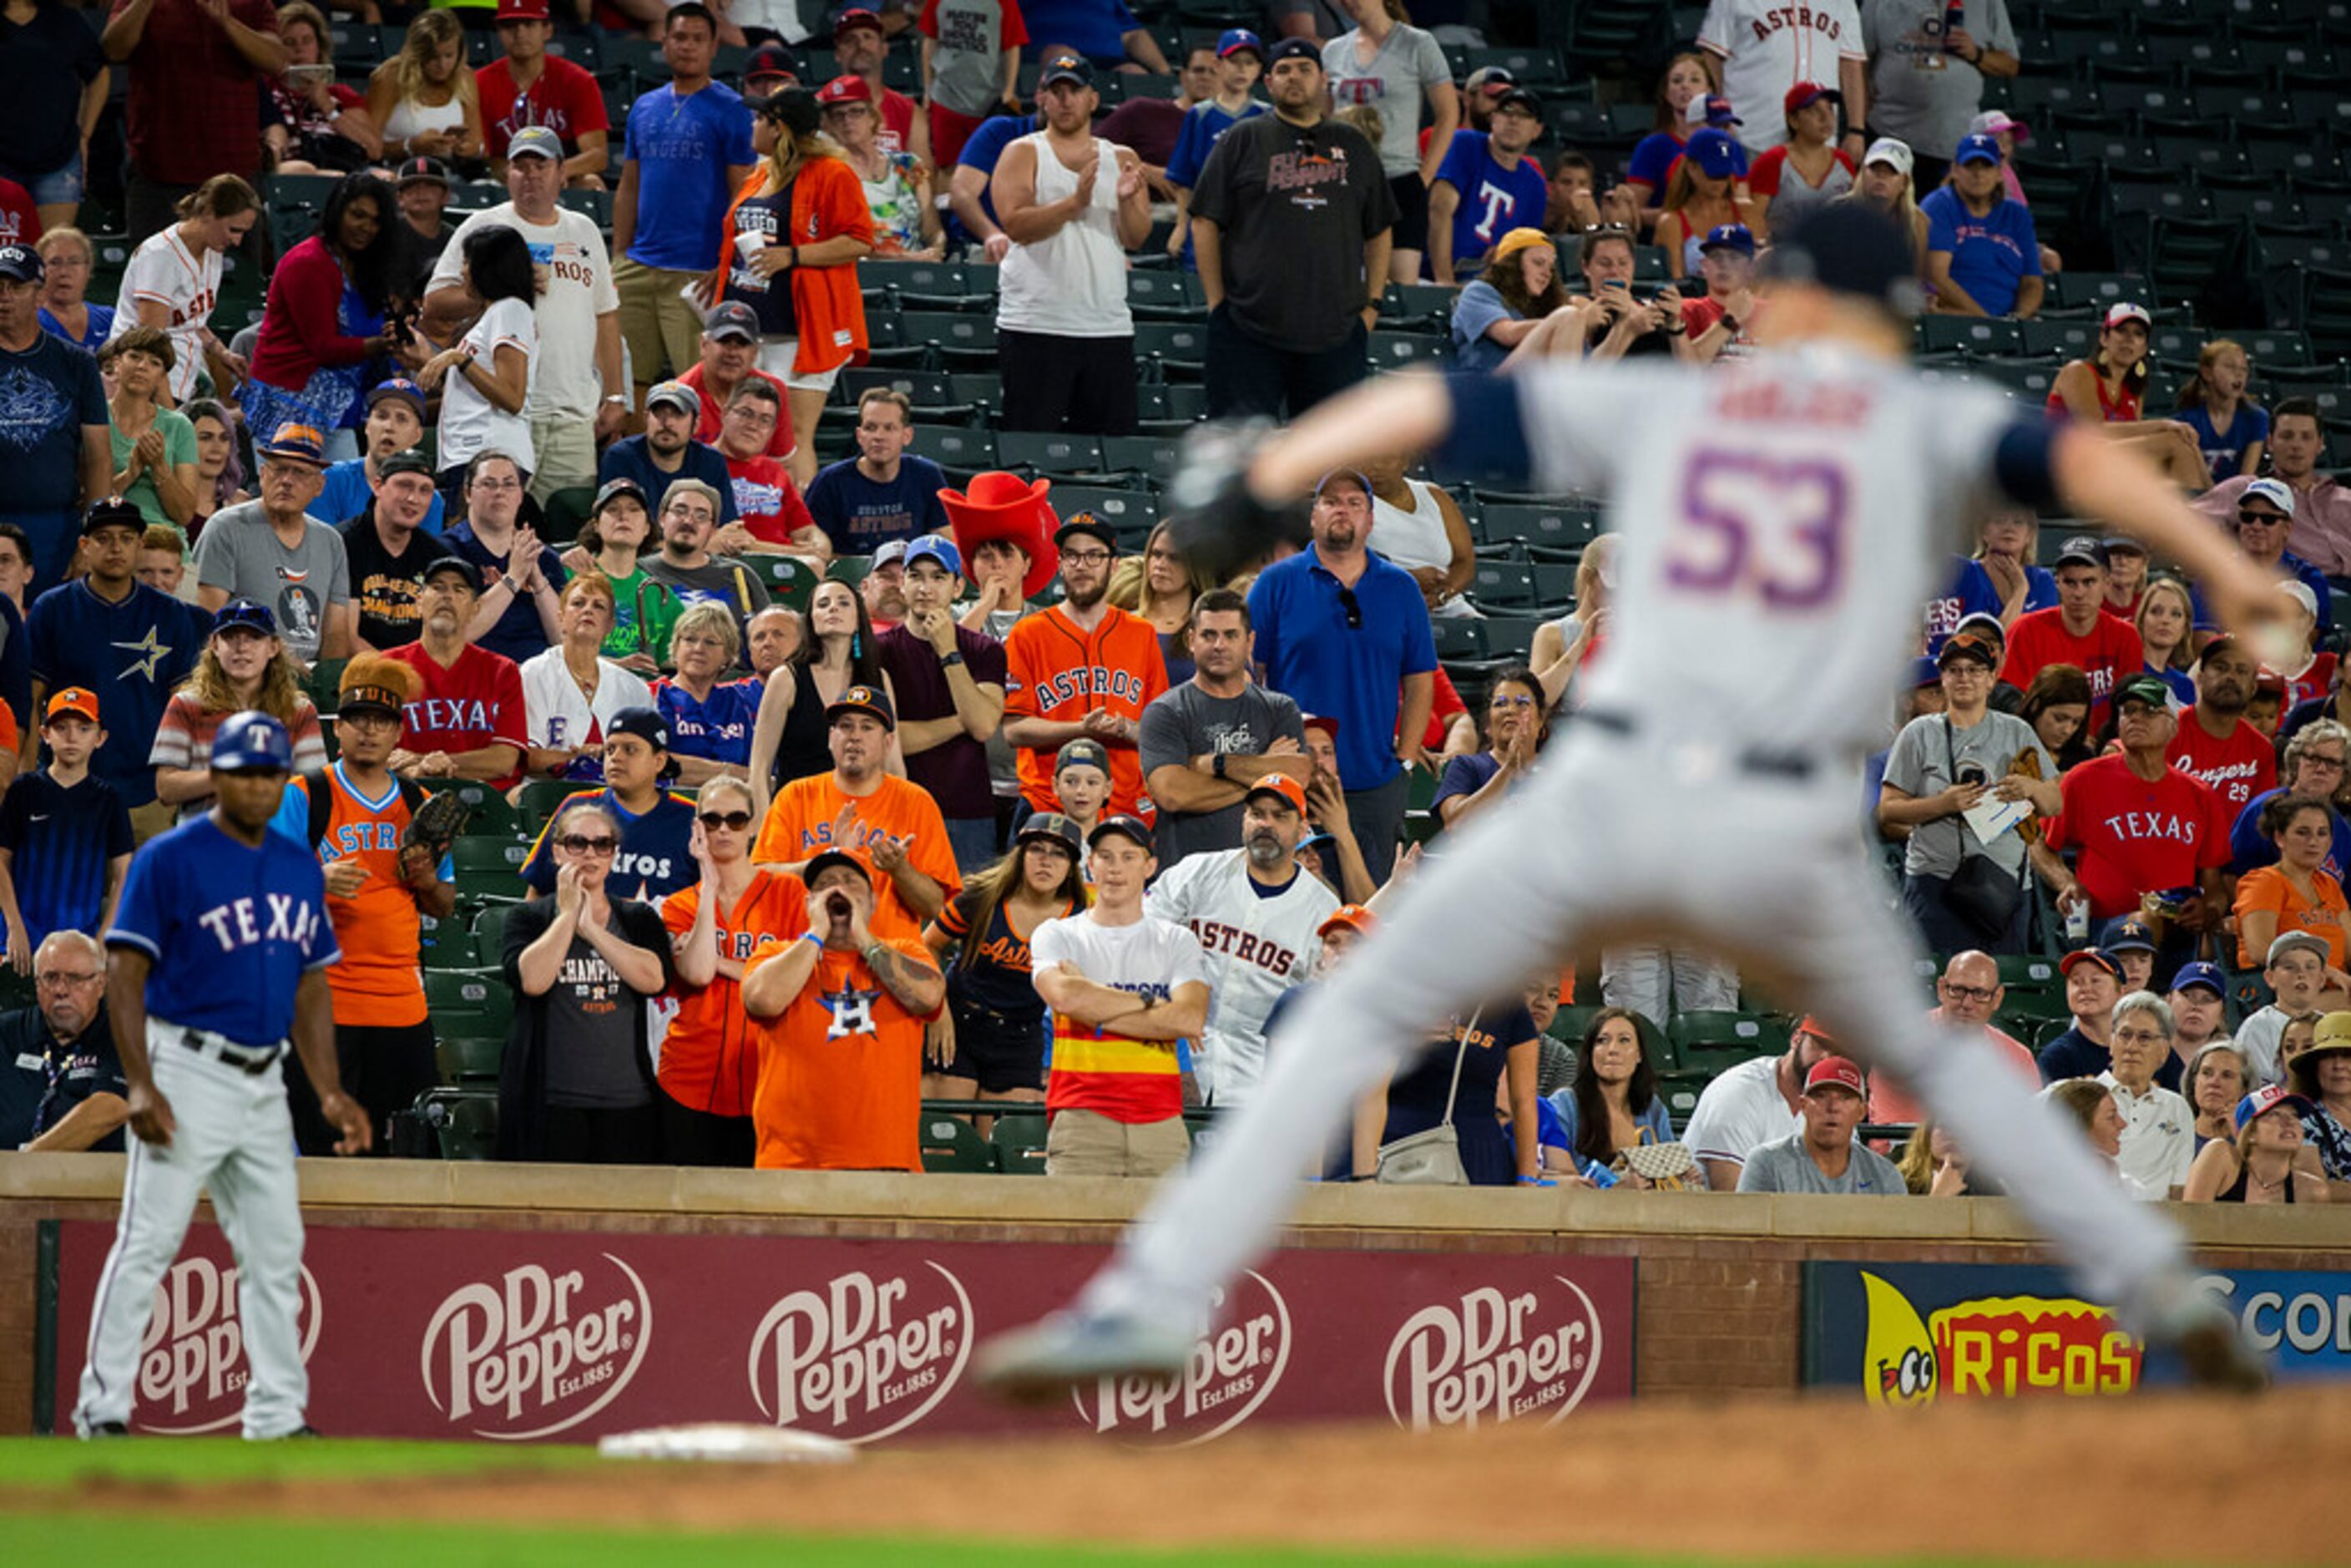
1213 521
430 831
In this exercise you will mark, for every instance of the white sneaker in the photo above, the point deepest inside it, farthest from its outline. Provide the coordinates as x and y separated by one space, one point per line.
1032 1365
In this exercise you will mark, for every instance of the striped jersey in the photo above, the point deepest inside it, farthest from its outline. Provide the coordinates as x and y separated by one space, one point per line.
1132 1080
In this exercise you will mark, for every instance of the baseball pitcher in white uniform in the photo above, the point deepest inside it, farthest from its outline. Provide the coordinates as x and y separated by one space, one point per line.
1256 913
1781 521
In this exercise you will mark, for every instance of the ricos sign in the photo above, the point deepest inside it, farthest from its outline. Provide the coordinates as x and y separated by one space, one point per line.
192 1366
1233 1369
537 1352
865 1356
1491 1355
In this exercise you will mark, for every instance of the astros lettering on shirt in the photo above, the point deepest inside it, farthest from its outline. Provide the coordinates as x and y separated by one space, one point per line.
655 858
2136 835
377 985
2109 651
1055 669
799 822
229 929
2236 767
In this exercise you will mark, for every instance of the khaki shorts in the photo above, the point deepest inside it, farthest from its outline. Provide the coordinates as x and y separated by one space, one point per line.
1088 1144
565 446
657 321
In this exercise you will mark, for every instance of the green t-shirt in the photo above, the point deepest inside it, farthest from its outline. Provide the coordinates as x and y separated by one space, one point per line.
627 636
179 447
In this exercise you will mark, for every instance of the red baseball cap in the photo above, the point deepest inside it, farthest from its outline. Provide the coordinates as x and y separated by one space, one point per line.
1321 721
2082 955
845 89
522 10
1835 1072
1806 93
853 18
1283 785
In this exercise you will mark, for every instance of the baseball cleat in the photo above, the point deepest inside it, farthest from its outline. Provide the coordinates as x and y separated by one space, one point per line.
106 1429
1032 1365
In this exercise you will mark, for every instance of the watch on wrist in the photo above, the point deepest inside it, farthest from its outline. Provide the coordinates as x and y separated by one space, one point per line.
947 660
1218 766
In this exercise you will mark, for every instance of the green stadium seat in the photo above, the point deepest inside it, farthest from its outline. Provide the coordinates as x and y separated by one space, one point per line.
1019 1144
1680 1089
466 1059
478 1003
1495 583
1133 513
468 1124
962 452
1715 1041
1969 334
1573 1021
450 946
949 1143
489 933
1179 349
490 814
957 341
1049 454
567 513
1149 457
1165 296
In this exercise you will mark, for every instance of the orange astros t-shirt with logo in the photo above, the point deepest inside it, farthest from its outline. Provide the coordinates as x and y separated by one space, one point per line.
710 1054
376 984
1056 670
800 823
841 1072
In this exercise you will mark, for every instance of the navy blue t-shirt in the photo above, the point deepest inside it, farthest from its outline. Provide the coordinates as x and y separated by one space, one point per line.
518 634
42 1077
656 856
1416 1096
47 394
861 515
628 459
133 656
2073 1055
2226 453
986 145
1465 776
60 841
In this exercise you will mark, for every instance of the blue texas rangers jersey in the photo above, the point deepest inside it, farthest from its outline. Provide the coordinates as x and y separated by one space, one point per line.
231 930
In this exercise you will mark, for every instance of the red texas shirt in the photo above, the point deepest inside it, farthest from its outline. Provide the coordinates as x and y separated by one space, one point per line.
2110 652
2136 835
2236 769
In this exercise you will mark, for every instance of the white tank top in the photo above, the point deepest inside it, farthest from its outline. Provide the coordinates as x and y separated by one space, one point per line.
1416 538
1072 283
408 117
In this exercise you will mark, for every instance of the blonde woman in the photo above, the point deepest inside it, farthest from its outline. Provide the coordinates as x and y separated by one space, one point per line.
67 258
710 716
1885 183
243 668
1561 646
2166 622
1158 586
424 96
571 692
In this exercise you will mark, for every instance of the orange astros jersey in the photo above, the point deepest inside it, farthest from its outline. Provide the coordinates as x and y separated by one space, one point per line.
800 823
1056 670
710 1055
376 984
841 1072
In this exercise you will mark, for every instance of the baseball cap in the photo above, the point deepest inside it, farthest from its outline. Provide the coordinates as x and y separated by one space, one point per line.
678 395
2125 934
1835 1072
1850 249
1294 50
1992 121
770 62
21 262
78 700
2143 688
2123 543
1083 753
892 553
855 17
2302 594
1128 826
249 613
1517 240
1519 98
937 548
823 859
2276 492
522 10
1492 80
1237 40
645 723
457 564
2201 973
2084 549
422 171
1088 524
1292 793
251 742
1811 1024
1065 68
1892 151
536 142
2123 311
1355 476
2081 955
399 387
1976 149
2221 641
297 443
367 696
1925 673
1714 152
1353 916
2296 941
1729 236
1806 93
1983 624
2266 1099
1711 109
1053 825
112 512
869 700
732 318
1967 645
845 88
614 490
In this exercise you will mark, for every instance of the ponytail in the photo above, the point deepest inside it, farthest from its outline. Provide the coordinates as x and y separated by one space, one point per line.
222 196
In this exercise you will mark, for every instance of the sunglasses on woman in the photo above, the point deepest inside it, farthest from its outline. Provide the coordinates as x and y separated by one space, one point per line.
714 821
581 844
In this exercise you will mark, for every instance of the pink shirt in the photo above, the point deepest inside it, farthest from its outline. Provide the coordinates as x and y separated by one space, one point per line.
1891 1105
2321 533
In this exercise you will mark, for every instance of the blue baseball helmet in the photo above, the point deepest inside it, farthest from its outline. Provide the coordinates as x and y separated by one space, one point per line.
251 740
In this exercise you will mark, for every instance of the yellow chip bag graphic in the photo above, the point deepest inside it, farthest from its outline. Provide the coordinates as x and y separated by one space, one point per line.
1998 1347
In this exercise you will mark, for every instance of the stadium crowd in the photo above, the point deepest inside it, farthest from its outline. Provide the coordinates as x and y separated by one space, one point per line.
529 497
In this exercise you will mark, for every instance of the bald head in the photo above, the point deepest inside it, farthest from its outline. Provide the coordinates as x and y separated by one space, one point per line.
1969 988
69 968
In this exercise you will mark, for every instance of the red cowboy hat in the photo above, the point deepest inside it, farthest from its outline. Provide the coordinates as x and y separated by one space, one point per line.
1004 506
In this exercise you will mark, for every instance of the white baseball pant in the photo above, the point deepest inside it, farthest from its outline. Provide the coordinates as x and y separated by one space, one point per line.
232 1133
1628 838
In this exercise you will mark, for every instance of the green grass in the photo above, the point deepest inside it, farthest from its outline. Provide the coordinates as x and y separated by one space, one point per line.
62 1462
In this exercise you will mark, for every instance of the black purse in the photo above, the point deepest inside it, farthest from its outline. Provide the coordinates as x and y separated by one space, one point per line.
1979 891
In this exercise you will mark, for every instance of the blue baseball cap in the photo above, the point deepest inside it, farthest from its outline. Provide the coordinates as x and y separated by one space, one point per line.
249 613
2201 973
1976 149
1925 672
1713 152
937 548
1729 236
1236 39
2127 934
251 742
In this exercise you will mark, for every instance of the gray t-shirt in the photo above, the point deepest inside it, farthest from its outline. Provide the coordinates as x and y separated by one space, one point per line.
1920 764
591 1035
1915 90
721 579
1396 82
1784 1167
239 552
967 64
1186 722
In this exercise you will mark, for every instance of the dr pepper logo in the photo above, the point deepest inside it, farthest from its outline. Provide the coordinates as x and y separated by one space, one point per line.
1998 1347
1486 1356
1232 1370
192 1367
535 1352
862 1357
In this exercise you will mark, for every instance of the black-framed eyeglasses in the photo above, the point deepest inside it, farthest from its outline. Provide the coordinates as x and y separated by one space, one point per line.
733 821
1354 607
580 844
1970 993
1087 557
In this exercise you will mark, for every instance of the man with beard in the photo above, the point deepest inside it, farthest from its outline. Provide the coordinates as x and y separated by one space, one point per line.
1257 915
950 687
685 572
387 554
1054 661
883 586
667 450
1208 742
2215 746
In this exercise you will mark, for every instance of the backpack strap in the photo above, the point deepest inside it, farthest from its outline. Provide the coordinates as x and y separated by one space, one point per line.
316 784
